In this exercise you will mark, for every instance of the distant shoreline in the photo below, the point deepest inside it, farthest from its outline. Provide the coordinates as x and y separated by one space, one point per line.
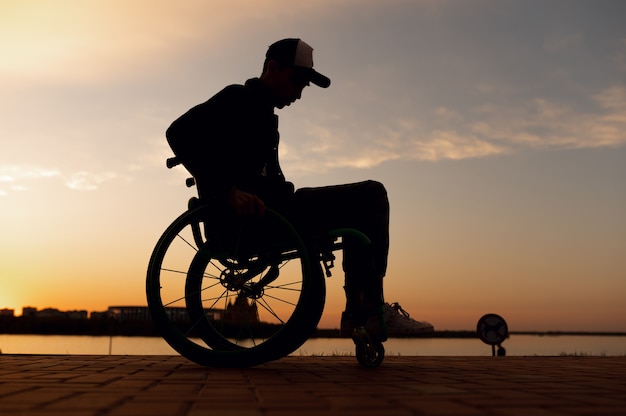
322 333
334 333
130 328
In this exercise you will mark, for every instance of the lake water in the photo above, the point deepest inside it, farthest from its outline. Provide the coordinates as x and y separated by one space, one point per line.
516 345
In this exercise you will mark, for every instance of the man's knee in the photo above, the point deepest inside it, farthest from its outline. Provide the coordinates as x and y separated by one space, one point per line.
376 190
375 187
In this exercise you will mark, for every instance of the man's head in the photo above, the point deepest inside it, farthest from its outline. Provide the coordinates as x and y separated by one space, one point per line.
288 68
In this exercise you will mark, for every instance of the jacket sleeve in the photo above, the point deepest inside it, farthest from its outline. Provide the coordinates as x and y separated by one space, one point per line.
201 138
230 141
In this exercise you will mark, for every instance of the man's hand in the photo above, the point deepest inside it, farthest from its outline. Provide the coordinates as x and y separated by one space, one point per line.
245 203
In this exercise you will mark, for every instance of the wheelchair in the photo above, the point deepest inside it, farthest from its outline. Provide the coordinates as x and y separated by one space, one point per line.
228 291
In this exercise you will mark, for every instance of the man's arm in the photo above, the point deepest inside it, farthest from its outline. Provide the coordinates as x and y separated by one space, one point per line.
245 203
203 139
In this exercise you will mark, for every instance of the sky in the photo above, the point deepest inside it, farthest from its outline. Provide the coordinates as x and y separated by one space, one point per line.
497 126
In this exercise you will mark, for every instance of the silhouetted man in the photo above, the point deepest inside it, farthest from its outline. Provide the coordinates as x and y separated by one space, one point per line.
230 145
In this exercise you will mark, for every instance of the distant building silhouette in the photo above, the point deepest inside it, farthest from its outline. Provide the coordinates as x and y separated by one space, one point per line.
238 310
241 311
31 312
142 313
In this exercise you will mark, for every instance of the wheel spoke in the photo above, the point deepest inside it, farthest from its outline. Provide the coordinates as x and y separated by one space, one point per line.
229 302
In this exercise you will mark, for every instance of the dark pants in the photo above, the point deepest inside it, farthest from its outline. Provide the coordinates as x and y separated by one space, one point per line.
363 206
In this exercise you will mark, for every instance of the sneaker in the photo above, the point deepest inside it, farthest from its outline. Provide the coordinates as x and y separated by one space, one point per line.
400 324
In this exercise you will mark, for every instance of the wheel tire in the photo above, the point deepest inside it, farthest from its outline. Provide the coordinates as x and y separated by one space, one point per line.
202 264
370 356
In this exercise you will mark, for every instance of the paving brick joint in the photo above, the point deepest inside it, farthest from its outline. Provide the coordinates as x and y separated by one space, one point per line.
72 385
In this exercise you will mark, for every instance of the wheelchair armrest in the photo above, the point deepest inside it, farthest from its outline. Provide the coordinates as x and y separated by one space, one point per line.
358 235
175 161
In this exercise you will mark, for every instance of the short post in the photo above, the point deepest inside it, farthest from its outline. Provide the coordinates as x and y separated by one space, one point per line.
493 330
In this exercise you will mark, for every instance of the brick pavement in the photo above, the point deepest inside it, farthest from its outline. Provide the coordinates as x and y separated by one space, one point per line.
170 385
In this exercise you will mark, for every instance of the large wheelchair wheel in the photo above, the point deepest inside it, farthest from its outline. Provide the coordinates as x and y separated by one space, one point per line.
233 292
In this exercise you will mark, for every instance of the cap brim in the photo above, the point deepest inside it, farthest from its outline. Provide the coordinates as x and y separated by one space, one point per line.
319 79
314 76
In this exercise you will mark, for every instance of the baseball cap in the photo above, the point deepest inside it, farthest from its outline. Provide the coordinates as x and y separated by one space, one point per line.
297 53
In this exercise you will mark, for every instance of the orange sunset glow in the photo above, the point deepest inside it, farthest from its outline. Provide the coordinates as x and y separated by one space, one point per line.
498 128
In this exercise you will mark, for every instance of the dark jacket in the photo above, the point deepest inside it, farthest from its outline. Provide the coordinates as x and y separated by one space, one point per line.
231 140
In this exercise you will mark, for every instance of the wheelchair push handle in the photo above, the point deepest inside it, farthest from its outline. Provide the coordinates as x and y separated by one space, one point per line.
175 161
172 162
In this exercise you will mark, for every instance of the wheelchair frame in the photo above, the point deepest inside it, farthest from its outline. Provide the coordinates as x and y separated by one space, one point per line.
242 291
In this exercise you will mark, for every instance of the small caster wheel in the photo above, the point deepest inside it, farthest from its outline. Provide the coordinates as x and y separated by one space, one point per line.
370 355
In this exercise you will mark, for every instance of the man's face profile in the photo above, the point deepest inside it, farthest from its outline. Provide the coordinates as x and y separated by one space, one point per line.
287 84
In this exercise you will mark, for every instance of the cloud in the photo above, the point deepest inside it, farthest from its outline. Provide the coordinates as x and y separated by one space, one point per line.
545 124
535 124
613 99
17 172
435 114
450 145
17 178
363 160
87 181
402 139
12 178
484 130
